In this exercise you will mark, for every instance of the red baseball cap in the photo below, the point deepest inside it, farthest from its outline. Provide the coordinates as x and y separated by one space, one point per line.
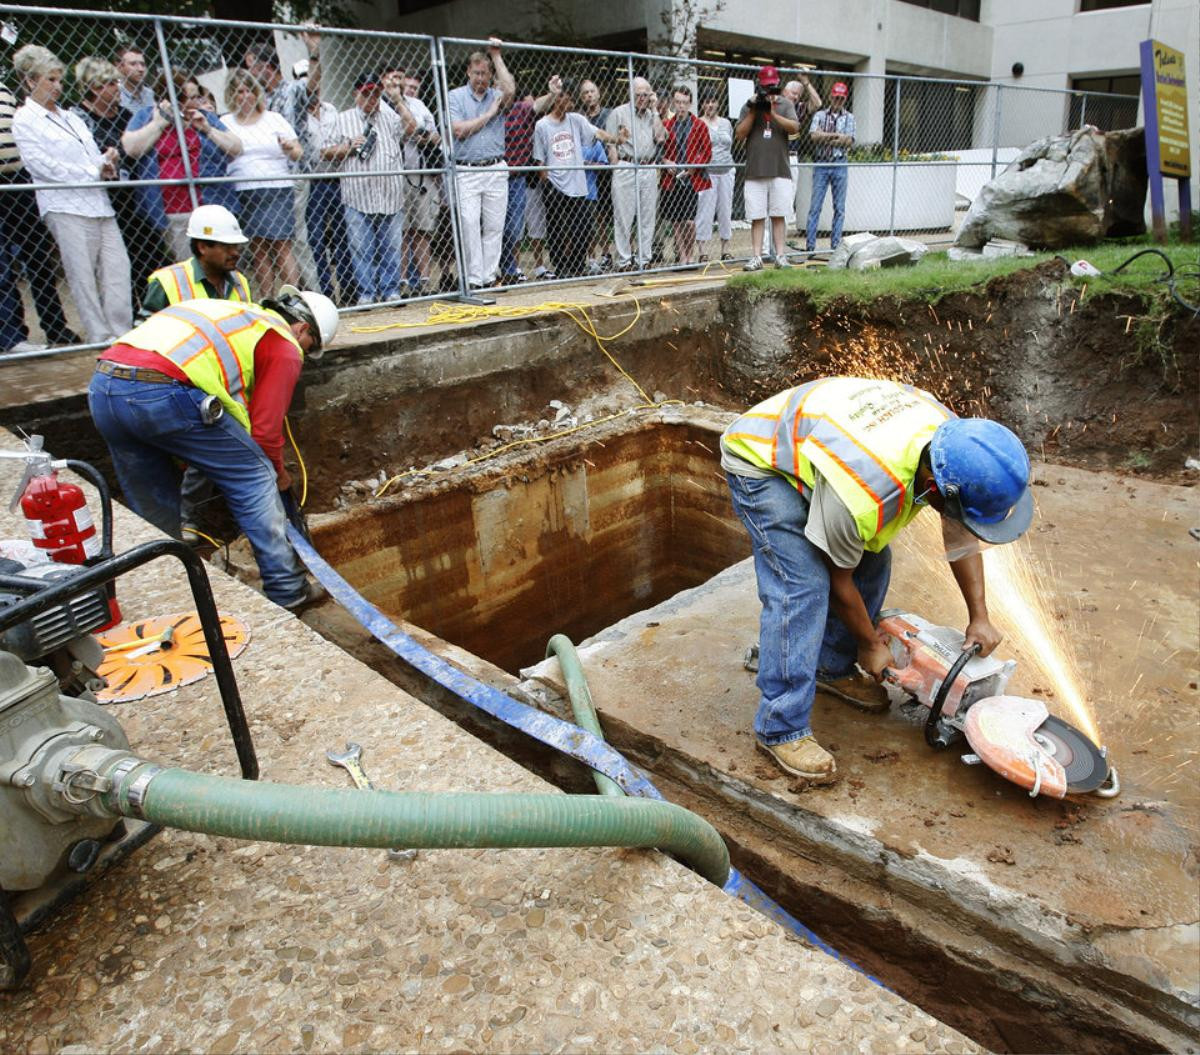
840 88
768 75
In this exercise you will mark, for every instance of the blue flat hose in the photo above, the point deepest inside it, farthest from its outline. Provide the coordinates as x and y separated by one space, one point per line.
580 744
592 751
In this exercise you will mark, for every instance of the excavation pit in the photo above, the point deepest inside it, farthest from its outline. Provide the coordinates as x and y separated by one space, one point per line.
569 541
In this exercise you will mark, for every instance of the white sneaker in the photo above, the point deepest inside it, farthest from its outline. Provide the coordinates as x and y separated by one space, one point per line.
539 272
782 261
753 264
27 346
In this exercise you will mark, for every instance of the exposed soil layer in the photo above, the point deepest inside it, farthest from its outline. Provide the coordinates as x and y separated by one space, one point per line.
1102 382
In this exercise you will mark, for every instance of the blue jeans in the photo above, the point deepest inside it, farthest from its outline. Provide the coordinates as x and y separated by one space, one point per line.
835 176
327 235
146 425
373 241
514 223
800 639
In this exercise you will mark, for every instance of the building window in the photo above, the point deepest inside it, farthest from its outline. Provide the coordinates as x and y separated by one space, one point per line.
1102 109
968 9
935 117
1103 5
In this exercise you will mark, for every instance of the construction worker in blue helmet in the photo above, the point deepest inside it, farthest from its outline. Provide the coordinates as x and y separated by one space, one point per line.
824 476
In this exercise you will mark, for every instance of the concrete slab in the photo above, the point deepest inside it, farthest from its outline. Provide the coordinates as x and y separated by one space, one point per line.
209 944
1034 924
53 378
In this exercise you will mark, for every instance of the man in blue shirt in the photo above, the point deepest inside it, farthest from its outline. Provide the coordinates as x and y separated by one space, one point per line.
832 133
481 173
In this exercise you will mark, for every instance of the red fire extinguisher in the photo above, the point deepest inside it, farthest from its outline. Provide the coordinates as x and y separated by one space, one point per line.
60 522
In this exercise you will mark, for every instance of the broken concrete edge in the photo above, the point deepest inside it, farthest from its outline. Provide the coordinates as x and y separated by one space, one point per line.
474 470
415 337
1008 919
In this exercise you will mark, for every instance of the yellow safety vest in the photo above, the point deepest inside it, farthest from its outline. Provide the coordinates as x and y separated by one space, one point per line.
179 283
212 342
865 437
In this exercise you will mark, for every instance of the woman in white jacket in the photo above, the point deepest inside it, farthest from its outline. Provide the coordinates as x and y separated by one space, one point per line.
57 147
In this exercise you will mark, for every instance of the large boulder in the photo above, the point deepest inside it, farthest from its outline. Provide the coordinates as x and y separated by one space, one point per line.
1064 190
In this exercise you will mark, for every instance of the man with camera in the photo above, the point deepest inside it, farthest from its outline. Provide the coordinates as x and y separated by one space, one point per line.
832 132
764 125
370 138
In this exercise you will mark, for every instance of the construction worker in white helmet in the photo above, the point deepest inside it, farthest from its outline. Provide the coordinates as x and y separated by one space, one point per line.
208 382
210 272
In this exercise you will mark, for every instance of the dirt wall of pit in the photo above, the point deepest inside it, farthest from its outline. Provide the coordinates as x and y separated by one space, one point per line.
1101 381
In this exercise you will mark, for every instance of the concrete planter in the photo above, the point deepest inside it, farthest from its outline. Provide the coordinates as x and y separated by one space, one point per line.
924 197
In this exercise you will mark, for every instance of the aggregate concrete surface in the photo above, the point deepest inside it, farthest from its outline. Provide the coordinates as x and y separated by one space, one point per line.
209 944
1104 895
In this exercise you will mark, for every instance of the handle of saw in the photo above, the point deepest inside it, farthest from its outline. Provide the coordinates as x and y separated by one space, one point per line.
939 701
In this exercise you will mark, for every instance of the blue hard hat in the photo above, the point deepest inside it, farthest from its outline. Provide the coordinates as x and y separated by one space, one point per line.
982 472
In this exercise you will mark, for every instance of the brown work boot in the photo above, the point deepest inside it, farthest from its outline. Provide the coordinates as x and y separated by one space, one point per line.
803 758
859 691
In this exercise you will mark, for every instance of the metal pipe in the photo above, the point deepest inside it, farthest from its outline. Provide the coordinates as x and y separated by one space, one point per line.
996 132
895 157
176 112
441 80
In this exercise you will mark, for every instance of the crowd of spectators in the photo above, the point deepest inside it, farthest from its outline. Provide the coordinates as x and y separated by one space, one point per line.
595 187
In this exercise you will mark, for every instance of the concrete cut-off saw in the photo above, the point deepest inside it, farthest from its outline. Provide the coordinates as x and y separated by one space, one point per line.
965 693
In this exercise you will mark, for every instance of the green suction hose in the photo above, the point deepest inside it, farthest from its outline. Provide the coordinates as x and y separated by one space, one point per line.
581 702
282 813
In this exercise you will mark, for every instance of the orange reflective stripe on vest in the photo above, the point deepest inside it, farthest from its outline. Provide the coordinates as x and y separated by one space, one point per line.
214 334
864 436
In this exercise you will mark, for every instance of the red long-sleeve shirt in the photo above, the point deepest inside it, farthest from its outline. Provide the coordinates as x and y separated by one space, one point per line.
277 366
696 151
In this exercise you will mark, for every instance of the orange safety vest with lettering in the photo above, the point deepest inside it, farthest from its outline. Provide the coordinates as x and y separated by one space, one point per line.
179 284
865 437
212 342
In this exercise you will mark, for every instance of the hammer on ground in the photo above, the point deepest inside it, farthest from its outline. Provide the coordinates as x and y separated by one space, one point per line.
351 761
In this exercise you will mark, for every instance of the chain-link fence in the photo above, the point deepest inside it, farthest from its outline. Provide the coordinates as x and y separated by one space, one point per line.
383 167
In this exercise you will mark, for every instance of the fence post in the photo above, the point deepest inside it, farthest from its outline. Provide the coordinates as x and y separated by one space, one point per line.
437 54
169 78
895 153
637 174
996 132
1082 110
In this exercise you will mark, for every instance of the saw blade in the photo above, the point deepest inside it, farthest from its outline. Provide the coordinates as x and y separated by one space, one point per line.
1085 766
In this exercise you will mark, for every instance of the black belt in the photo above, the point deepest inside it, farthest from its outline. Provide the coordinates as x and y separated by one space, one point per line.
484 163
136 373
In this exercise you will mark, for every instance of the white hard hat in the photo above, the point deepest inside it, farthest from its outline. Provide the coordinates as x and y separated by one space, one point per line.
215 223
322 313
